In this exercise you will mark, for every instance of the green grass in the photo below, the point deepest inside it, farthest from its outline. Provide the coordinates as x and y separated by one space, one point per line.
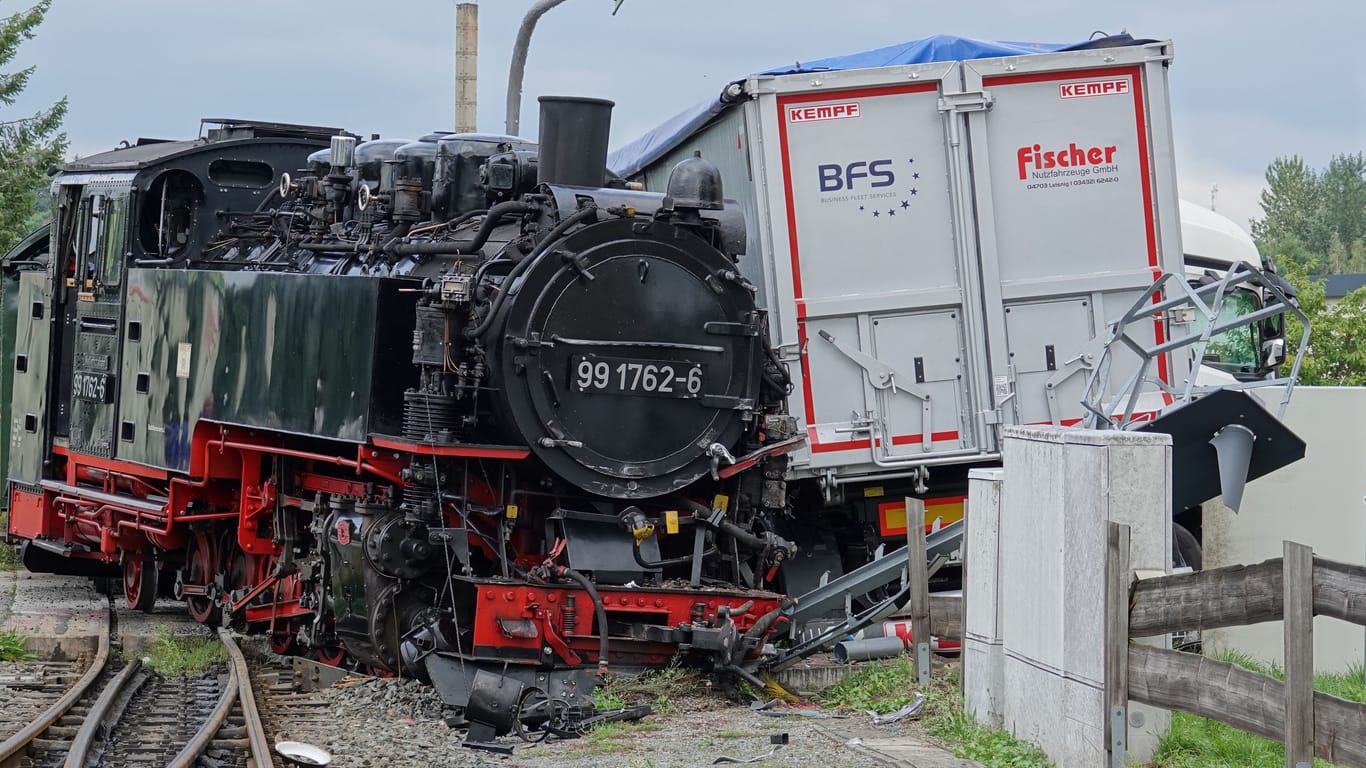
9 558
1197 742
12 647
885 686
171 655
611 738
663 689
993 746
882 686
605 698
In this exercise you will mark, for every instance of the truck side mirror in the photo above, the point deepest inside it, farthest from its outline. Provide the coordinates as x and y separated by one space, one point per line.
1273 352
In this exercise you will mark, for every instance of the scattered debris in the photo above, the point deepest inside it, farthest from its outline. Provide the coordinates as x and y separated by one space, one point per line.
778 740
299 753
766 708
499 706
911 710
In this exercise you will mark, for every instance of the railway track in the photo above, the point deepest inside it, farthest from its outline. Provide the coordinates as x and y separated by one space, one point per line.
123 714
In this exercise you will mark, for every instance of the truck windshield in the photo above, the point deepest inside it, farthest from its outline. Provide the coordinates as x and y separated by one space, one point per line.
1235 350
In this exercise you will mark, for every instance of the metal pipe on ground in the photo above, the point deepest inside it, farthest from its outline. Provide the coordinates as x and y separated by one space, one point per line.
867 650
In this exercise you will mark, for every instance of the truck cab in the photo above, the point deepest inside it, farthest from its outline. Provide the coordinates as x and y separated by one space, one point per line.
1211 244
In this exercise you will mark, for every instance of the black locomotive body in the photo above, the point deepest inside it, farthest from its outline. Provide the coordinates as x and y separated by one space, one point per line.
427 407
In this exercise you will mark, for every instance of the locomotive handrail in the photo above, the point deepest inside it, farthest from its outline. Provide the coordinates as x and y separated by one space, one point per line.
651 344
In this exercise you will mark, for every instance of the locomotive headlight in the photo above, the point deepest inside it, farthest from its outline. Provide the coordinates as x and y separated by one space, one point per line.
637 524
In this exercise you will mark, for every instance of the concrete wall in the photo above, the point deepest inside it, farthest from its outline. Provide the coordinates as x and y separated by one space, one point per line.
1059 489
1319 501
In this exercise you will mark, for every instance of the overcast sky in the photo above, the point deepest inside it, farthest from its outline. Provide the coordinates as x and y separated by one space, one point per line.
1252 79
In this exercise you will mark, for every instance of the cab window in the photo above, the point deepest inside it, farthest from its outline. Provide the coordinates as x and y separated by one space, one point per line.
115 227
1235 350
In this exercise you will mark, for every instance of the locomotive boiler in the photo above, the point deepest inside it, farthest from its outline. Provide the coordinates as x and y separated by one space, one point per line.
434 407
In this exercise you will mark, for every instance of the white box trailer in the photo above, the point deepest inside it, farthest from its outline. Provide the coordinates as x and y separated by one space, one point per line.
939 242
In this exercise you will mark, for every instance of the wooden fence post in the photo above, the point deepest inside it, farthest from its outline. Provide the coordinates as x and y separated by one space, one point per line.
1298 565
920 587
1117 578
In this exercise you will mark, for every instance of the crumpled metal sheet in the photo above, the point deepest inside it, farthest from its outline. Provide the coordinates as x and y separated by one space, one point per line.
766 709
911 711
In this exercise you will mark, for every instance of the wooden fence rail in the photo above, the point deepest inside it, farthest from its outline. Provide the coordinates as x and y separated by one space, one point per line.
1293 589
1239 595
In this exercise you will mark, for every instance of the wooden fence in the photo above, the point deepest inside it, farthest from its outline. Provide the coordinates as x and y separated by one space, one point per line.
1293 588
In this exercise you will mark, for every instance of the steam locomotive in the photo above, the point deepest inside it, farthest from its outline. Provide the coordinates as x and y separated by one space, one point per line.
433 407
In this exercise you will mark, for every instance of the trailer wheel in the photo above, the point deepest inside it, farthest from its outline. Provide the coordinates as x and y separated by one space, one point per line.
1185 548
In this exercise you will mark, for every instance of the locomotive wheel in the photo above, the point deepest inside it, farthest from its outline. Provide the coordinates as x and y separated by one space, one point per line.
332 655
139 581
199 571
282 643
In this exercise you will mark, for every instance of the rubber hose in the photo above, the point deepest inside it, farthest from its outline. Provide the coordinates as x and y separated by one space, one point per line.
730 529
760 628
550 239
598 608
495 214
643 563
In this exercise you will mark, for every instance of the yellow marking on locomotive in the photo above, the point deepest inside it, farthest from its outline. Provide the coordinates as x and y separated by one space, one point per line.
721 502
873 492
643 532
512 511
671 521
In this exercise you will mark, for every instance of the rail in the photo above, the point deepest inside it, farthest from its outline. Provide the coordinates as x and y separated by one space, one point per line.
196 746
15 746
1293 588
256 732
108 707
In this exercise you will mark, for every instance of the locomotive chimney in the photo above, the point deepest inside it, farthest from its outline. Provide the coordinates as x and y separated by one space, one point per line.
343 152
573 143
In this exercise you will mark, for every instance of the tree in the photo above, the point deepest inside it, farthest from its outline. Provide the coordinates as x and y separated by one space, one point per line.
28 145
1288 202
1336 355
1315 219
1342 192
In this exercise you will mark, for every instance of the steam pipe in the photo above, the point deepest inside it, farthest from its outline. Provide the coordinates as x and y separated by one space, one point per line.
518 68
583 214
495 214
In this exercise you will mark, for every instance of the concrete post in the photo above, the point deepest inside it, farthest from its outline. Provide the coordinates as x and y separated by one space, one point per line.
1061 487
466 67
983 659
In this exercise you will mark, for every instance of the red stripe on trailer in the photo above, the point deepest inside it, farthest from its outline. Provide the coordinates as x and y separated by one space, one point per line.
935 437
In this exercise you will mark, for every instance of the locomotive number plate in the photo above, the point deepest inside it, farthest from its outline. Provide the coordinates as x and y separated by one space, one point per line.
93 386
632 376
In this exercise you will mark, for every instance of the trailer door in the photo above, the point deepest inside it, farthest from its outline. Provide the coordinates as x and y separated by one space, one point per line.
869 272
1076 200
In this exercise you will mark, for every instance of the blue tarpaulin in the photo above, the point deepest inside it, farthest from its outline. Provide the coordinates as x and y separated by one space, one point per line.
634 157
